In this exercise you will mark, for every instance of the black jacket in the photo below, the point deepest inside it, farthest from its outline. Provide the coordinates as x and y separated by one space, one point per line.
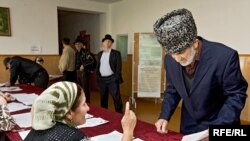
87 59
115 63
23 68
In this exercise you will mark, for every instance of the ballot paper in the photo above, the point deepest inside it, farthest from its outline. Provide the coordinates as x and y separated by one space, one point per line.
195 136
23 134
115 136
91 122
14 106
137 139
3 84
10 89
25 98
55 75
88 116
23 120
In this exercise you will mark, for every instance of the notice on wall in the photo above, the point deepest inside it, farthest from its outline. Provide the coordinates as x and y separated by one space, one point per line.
35 49
149 69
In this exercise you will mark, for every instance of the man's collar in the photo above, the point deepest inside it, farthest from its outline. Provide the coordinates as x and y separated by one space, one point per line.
107 51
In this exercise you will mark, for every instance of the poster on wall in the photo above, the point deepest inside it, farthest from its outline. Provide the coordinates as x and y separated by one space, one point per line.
149 68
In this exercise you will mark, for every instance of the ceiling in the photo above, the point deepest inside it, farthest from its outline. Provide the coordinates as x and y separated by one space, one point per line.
106 1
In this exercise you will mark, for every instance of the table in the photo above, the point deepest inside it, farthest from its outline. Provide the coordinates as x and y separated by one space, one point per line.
143 130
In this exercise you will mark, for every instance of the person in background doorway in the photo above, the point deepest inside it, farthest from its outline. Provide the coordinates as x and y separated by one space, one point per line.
67 61
109 76
85 65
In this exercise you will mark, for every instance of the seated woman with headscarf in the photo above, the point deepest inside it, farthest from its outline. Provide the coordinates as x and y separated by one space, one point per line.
62 107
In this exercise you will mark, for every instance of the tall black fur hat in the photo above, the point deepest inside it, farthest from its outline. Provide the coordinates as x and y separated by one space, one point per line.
176 30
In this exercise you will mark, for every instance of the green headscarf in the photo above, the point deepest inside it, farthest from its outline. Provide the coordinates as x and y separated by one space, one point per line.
53 104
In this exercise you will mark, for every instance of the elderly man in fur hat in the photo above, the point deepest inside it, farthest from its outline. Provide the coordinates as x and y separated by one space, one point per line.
205 75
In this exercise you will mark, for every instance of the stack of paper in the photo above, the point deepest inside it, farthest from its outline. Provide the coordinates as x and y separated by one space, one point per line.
88 116
14 106
115 136
26 99
3 84
10 89
23 120
55 76
91 122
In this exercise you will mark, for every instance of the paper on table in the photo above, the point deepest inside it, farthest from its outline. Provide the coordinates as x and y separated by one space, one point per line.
14 106
3 84
88 116
91 122
137 139
195 136
10 89
55 75
23 120
23 134
26 99
115 136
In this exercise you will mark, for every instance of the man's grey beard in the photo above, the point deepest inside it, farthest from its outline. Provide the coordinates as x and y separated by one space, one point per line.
190 58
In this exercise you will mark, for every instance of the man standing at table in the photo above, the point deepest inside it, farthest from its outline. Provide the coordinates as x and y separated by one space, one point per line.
109 66
26 70
205 74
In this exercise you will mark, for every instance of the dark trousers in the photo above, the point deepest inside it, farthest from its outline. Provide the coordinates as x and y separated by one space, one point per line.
83 81
41 79
114 88
69 76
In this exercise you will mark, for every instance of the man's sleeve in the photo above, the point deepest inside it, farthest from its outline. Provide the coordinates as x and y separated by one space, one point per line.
118 65
235 87
171 98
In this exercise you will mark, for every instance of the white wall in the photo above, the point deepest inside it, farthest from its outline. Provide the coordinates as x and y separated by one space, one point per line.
226 21
34 23
72 23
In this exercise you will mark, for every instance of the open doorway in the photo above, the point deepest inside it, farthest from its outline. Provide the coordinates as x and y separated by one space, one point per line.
73 23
